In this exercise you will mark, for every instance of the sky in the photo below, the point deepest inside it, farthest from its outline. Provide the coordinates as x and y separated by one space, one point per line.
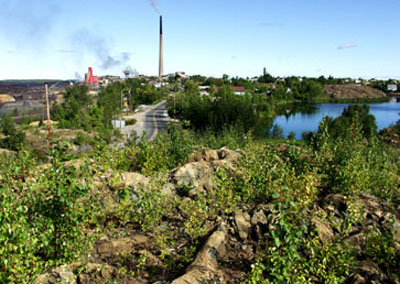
55 39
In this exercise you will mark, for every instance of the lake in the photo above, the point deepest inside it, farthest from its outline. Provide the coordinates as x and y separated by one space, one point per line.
306 117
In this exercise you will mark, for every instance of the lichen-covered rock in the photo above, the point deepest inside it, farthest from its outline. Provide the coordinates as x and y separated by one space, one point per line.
61 275
195 178
134 179
228 155
206 155
113 248
324 230
242 221
370 271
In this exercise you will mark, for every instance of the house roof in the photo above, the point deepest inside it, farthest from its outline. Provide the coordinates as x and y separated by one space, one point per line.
234 88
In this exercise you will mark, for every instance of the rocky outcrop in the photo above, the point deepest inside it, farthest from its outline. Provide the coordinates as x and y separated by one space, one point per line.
134 179
367 272
231 240
61 275
79 274
204 269
196 177
243 225
375 215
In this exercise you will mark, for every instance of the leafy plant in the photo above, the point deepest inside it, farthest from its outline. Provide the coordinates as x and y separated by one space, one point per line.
15 139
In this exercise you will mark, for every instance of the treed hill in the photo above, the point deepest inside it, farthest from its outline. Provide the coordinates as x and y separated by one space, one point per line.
351 92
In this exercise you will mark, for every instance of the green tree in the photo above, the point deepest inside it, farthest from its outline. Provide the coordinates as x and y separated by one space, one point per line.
74 112
341 127
15 139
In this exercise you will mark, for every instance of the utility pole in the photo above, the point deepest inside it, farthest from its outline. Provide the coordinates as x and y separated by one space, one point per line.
122 106
176 86
48 112
120 120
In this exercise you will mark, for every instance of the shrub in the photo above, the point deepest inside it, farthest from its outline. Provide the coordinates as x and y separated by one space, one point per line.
354 115
15 139
131 121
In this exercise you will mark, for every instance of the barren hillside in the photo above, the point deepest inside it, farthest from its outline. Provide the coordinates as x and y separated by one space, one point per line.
351 92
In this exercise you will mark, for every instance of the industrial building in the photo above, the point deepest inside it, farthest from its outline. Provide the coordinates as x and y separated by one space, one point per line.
90 78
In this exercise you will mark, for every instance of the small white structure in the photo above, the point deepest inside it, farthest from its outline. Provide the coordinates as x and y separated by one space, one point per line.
118 123
180 74
392 88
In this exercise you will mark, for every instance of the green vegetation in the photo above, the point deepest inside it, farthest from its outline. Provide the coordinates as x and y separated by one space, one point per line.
215 112
14 139
78 111
42 222
135 93
315 208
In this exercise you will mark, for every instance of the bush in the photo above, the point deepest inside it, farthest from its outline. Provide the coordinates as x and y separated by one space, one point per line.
82 138
46 223
131 121
15 139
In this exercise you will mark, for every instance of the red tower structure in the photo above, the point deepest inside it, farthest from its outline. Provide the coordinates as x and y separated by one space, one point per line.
90 78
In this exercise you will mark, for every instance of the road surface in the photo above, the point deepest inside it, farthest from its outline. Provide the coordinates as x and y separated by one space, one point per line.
156 120
151 120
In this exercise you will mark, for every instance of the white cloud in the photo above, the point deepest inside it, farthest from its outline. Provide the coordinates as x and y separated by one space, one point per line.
346 46
66 51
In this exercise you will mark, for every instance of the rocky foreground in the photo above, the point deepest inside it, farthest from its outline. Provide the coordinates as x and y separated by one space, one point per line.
222 247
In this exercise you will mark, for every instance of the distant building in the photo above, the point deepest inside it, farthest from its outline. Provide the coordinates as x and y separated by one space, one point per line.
155 84
180 74
280 79
238 90
204 90
392 88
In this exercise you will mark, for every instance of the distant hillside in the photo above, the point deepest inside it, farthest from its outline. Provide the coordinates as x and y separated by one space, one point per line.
27 82
351 92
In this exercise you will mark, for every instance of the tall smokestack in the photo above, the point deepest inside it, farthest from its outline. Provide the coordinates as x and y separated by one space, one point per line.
161 66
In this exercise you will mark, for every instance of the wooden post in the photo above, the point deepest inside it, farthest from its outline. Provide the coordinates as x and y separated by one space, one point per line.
130 100
48 112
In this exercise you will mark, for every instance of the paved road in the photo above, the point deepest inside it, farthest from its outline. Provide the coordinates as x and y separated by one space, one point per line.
156 120
151 120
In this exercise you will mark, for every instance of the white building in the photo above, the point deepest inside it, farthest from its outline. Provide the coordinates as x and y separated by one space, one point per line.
392 88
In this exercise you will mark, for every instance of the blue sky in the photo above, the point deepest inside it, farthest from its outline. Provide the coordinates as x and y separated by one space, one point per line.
60 39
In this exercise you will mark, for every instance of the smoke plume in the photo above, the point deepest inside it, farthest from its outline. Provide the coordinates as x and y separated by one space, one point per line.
156 6
78 77
88 43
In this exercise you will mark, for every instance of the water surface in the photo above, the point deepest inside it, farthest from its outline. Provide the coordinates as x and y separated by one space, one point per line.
306 117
